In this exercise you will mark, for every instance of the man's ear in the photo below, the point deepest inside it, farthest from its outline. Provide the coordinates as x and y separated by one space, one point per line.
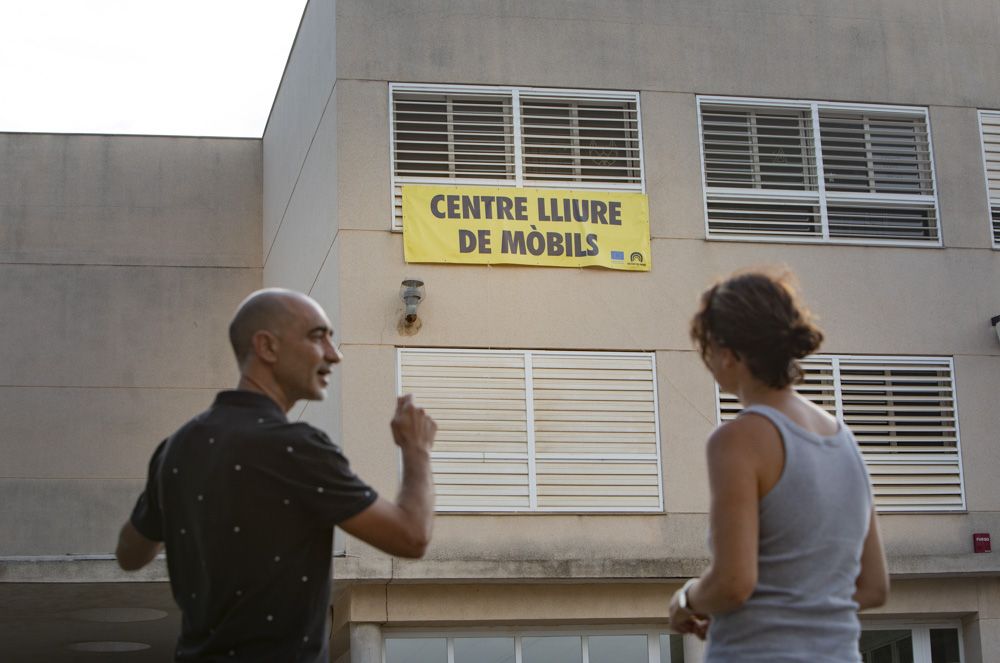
265 346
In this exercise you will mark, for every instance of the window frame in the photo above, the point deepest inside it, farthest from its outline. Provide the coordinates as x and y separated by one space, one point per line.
992 224
652 634
519 180
820 197
920 633
532 457
838 395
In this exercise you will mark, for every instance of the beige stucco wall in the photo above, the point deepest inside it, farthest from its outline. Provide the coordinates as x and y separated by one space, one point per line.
890 51
121 260
970 602
327 231
327 213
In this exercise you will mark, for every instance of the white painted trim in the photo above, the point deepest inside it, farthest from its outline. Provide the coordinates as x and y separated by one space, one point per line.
824 218
656 429
392 165
399 392
515 111
934 182
855 241
958 433
548 509
529 416
986 176
805 104
448 88
569 353
704 173
642 152
838 396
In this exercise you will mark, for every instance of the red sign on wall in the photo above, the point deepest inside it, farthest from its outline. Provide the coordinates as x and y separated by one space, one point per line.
981 542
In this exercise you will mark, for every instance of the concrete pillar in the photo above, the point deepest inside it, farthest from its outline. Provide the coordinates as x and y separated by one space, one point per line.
694 649
366 643
972 639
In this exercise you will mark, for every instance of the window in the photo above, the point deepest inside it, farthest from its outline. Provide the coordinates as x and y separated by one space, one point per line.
903 413
561 646
989 130
514 137
890 643
821 172
539 431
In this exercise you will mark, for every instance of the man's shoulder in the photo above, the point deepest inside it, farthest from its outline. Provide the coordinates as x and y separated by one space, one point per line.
299 432
309 433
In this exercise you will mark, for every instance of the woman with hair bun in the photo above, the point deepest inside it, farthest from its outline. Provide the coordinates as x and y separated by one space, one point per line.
796 550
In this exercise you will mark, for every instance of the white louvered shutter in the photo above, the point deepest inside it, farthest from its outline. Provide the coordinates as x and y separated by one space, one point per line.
463 137
513 137
478 399
579 140
595 432
877 172
763 161
760 171
902 413
990 122
539 431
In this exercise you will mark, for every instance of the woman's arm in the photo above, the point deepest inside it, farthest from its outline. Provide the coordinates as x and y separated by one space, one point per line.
736 453
872 586
732 478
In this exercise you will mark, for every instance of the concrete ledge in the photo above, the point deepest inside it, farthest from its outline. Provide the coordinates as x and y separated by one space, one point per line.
103 568
77 568
508 570
945 566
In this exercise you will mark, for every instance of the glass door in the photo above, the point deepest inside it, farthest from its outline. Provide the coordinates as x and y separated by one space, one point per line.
911 644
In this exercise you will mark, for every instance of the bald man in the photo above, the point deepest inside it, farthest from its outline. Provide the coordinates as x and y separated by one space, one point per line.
245 501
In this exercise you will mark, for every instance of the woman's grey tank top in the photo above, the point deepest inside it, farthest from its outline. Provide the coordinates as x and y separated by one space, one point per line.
813 524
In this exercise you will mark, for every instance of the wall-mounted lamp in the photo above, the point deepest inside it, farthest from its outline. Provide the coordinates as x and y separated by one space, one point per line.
995 323
411 291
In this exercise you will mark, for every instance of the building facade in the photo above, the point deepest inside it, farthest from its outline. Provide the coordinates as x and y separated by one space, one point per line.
856 143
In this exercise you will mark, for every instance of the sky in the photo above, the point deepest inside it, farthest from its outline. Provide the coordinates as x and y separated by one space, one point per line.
184 67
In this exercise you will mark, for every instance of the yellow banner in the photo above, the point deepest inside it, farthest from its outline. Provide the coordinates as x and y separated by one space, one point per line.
551 227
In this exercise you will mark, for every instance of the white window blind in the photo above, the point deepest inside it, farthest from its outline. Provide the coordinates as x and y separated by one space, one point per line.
539 431
989 123
807 171
494 136
902 412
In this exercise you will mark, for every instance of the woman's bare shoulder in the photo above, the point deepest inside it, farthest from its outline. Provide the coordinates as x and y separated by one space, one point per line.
743 436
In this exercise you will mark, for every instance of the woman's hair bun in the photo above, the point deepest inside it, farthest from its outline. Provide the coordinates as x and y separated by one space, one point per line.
803 339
